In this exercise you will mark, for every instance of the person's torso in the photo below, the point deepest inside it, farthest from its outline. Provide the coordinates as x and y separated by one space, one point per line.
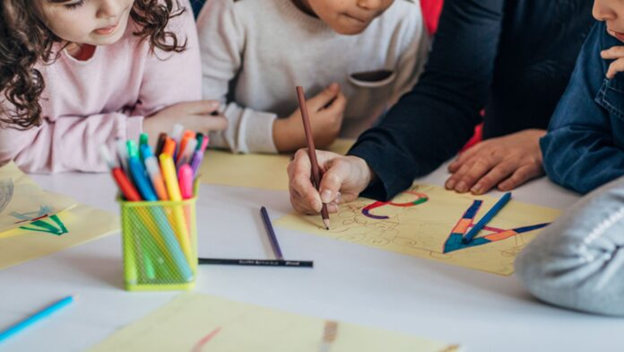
539 44
304 51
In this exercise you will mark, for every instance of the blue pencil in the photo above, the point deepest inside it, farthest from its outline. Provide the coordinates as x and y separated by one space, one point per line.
42 314
487 218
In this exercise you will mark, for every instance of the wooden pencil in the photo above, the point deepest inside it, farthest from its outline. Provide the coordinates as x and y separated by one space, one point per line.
316 178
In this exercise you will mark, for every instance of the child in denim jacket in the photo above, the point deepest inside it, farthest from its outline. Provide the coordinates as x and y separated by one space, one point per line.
584 147
578 261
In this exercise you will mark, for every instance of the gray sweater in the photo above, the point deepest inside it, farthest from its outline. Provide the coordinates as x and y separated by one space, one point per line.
578 261
254 53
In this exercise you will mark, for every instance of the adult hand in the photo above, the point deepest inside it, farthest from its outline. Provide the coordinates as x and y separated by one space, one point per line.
326 111
344 177
614 53
507 161
194 115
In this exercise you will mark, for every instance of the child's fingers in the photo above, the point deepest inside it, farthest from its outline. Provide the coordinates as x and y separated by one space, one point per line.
615 67
614 52
201 107
338 106
325 97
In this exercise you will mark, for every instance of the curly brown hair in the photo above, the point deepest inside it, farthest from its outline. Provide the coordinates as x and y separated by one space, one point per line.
25 40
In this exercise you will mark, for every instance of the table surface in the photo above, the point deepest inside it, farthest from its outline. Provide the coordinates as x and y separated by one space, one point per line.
352 283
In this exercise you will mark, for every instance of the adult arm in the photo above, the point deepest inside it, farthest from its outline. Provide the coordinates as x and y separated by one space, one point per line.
432 122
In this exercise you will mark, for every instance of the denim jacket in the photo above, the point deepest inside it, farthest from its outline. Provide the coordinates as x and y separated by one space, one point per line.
584 147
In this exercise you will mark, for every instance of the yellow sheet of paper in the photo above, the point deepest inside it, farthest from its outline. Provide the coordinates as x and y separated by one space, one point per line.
263 171
22 200
195 322
424 230
67 229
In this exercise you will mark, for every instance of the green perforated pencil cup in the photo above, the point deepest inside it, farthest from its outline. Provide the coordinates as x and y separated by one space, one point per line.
159 245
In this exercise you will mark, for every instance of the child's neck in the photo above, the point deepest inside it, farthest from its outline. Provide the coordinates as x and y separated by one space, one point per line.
80 52
304 6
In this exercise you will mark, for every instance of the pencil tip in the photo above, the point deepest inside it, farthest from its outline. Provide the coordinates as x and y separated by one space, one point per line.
326 222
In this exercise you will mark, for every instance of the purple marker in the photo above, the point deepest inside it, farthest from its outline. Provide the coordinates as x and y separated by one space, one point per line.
198 156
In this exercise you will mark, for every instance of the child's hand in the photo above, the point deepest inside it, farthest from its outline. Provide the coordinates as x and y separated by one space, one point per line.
193 115
326 111
614 53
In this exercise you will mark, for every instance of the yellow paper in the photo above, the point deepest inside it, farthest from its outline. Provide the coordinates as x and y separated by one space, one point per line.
67 229
263 171
424 230
22 200
195 322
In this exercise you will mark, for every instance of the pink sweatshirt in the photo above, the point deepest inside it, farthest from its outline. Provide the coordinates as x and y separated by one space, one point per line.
87 103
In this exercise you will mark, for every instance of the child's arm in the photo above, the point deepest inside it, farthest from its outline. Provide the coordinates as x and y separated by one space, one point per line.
579 151
222 42
578 261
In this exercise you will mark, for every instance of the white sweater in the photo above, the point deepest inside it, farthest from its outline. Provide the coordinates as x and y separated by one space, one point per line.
254 53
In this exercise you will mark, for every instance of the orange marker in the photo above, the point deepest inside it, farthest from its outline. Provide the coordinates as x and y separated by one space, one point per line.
188 135
169 147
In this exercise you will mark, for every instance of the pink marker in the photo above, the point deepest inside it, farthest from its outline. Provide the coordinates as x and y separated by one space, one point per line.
185 177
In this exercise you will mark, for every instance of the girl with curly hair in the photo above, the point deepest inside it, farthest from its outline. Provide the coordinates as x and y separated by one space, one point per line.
75 74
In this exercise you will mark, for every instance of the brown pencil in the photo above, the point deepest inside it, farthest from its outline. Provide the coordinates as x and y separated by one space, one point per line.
316 178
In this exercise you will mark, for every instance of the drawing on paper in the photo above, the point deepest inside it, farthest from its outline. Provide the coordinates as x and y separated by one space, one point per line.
429 221
6 193
41 221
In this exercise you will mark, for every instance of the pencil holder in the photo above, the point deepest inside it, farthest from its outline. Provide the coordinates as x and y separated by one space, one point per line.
159 245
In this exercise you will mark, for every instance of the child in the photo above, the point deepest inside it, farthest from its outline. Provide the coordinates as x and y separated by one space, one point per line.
353 58
584 147
578 261
75 74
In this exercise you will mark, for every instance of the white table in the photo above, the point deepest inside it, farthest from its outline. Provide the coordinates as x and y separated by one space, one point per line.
353 283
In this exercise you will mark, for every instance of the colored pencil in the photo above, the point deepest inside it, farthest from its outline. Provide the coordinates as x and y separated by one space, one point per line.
271 234
40 315
486 218
316 178
257 262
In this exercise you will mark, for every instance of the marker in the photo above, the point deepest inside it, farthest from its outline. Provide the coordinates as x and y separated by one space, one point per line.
125 186
40 315
486 218
257 262
144 142
138 173
143 139
161 143
173 189
169 147
186 153
186 181
198 156
178 130
200 139
122 153
188 136
153 170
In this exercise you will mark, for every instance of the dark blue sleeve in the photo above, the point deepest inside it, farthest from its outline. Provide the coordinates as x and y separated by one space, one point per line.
579 150
431 123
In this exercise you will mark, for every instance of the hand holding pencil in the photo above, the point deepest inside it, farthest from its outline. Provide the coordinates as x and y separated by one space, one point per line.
343 179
